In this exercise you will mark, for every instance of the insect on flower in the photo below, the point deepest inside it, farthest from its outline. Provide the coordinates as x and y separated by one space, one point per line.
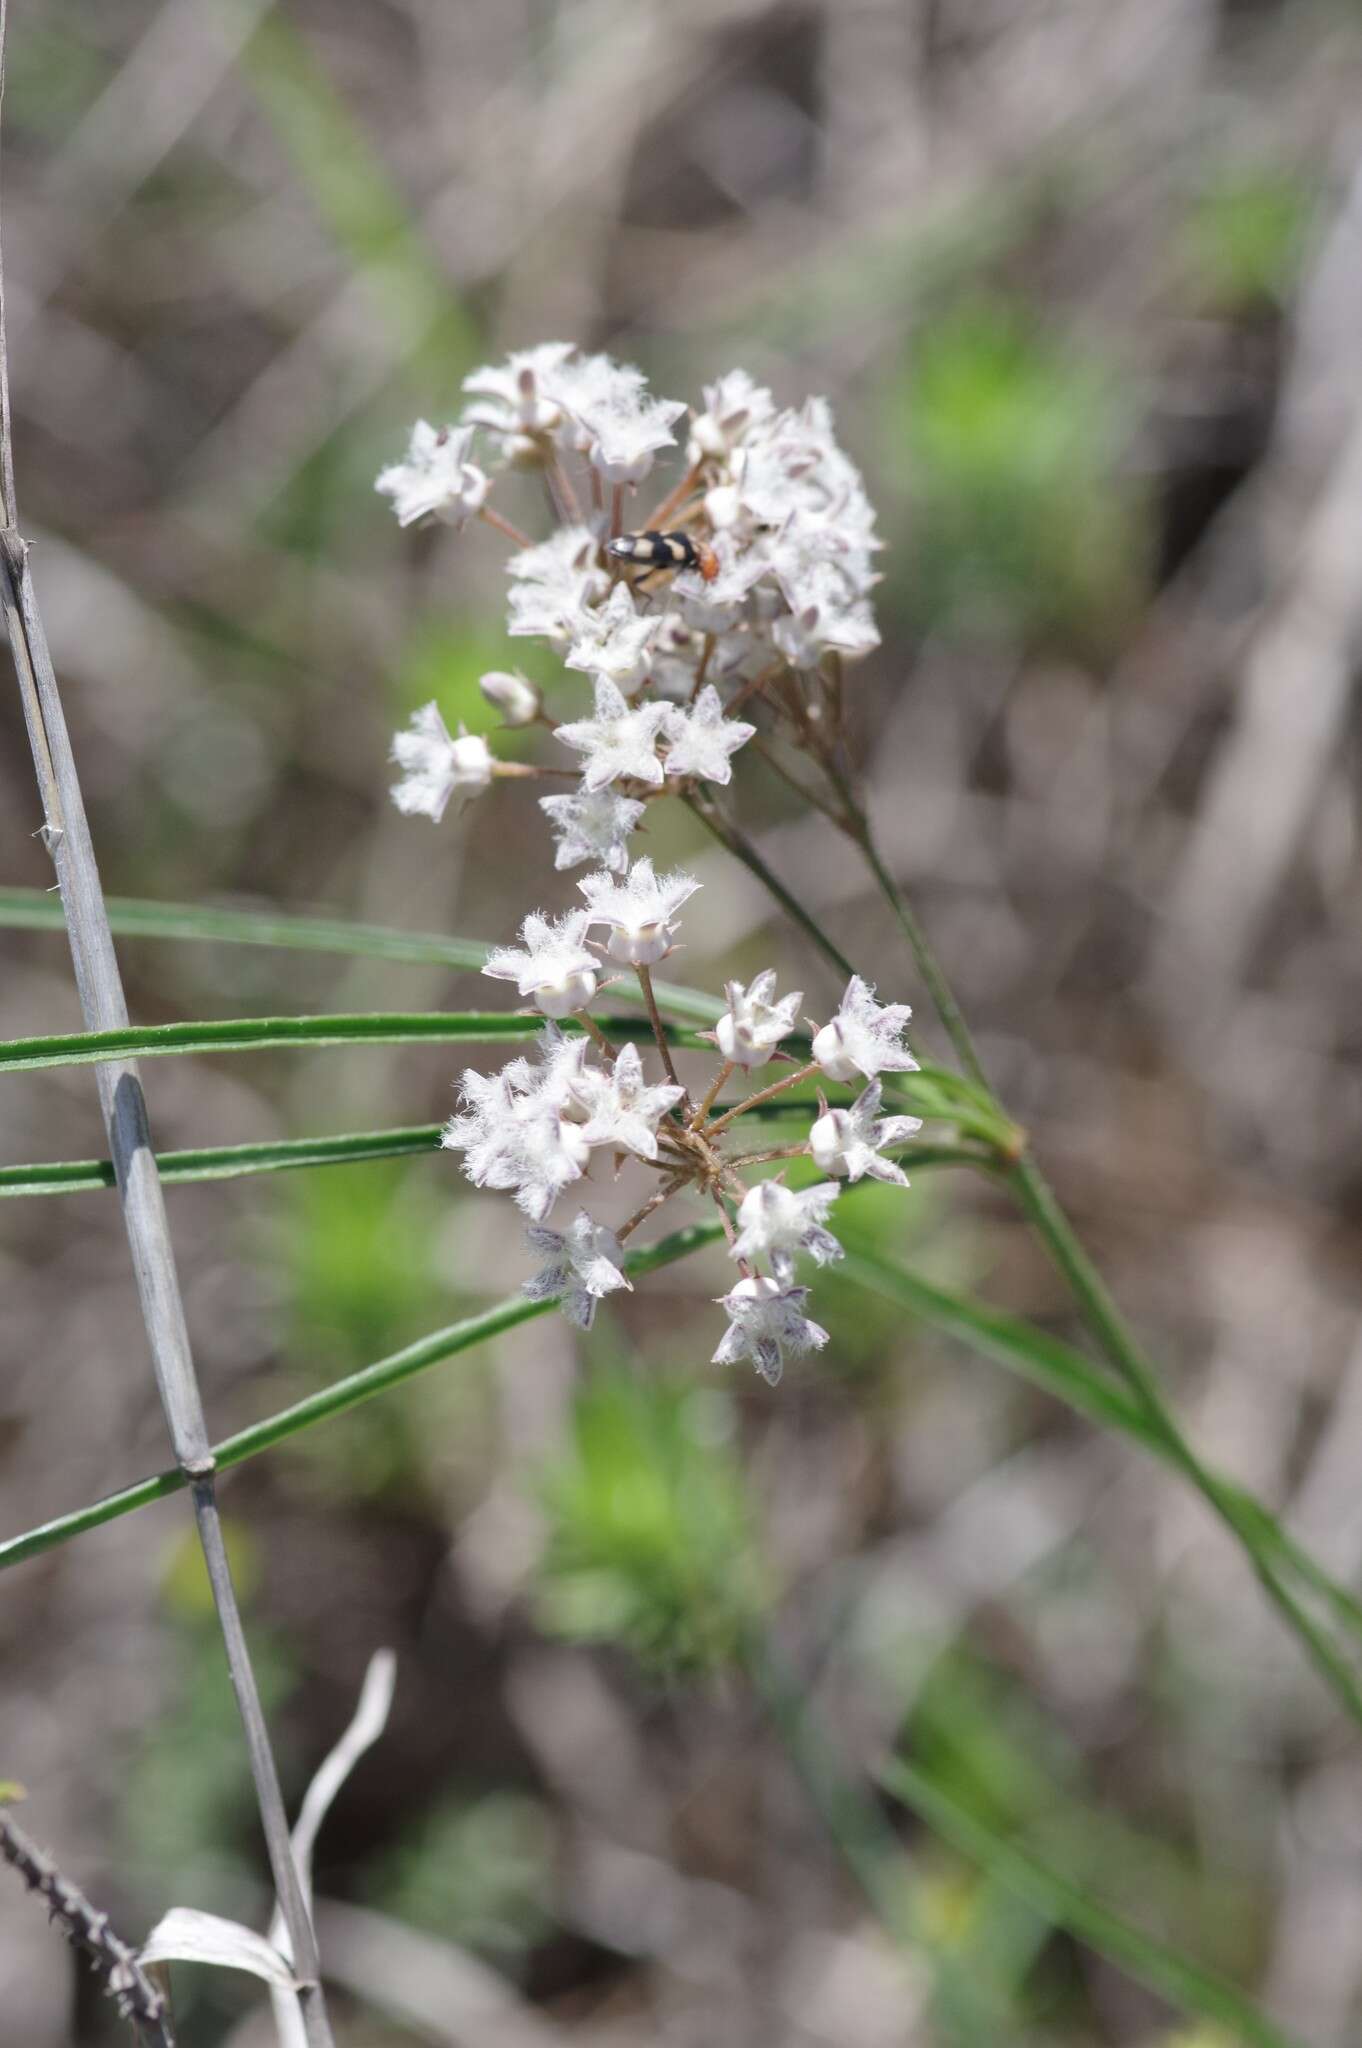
662 554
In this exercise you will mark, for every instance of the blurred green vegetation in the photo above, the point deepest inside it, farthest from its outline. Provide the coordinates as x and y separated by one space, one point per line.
357 1253
1011 436
651 1536
1245 234
53 71
188 1822
477 1869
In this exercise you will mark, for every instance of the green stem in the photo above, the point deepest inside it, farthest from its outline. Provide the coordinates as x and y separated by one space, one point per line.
934 977
742 849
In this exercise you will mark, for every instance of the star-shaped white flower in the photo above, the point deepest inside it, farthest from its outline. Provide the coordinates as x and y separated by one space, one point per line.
437 481
552 1079
775 1222
640 911
734 409
765 1320
624 439
553 967
752 1026
436 767
551 1153
583 1263
700 740
554 585
616 741
614 641
624 1110
516 398
848 1142
614 422
592 827
807 635
864 1037
513 1134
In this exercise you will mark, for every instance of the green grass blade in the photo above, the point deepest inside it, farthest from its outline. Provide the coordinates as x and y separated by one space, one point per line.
1184 1983
1060 1370
225 1162
278 1155
140 918
1045 1361
342 1395
264 1034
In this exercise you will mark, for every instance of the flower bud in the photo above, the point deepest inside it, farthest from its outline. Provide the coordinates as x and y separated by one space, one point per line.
473 762
830 1140
723 506
564 991
707 438
517 700
829 1049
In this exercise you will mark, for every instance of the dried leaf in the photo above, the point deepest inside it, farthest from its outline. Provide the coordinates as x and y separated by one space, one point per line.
185 1935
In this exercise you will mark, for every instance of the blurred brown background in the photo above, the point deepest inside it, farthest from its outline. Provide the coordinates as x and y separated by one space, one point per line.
1083 279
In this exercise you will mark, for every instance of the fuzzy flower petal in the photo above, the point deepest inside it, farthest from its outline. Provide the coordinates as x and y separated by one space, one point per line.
582 1263
554 585
554 968
623 1109
765 1320
752 1026
436 767
735 409
614 421
513 1133
849 1142
775 1222
616 741
865 1037
437 481
516 398
592 827
700 740
640 911
614 641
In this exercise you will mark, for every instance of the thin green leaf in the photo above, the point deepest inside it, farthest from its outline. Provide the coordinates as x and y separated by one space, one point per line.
1049 1363
1044 1360
278 1155
140 918
338 1398
1174 1976
262 1034
225 1162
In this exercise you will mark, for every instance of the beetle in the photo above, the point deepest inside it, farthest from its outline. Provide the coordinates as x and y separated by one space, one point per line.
664 553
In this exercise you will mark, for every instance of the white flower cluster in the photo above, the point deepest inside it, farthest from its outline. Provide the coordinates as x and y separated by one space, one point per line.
760 578
533 1128
746 585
